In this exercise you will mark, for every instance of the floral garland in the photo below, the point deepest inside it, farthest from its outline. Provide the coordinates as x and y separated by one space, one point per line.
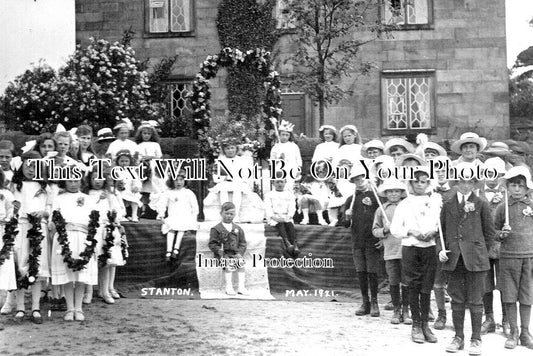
109 240
124 245
35 235
200 96
10 232
76 264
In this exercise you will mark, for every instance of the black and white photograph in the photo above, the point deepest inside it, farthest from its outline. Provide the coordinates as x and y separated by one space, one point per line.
266 177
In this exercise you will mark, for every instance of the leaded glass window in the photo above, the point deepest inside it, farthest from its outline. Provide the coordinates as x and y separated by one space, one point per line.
169 16
407 12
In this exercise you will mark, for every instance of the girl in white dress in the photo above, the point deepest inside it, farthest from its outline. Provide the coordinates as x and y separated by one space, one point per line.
288 151
350 146
109 257
149 149
181 206
329 146
8 279
76 209
32 200
129 187
122 130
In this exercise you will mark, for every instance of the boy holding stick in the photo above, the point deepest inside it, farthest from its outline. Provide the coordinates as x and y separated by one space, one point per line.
514 223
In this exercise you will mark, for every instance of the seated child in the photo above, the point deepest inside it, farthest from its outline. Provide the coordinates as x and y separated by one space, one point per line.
308 198
227 240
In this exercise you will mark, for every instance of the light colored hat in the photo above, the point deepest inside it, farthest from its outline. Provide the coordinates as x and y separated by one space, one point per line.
358 170
517 171
148 124
402 158
373 144
327 127
125 122
28 146
105 134
389 184
498 148
385 160
349 127
435 146
398 142
286 126
60 128
496 163
469 137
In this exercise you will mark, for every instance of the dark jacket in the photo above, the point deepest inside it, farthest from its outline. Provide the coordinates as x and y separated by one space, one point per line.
362 219
233 241
469 235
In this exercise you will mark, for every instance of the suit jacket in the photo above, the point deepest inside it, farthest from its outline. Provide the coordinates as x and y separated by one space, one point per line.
233 241
467 234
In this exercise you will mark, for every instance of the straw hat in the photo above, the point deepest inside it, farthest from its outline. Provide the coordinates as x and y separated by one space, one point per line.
498 148
358 170
496 163
469 137
105 134
517 171
402 158
390 184
398 142
125 122
435 146
373 144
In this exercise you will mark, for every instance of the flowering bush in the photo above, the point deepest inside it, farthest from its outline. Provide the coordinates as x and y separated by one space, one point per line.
200 96
100 84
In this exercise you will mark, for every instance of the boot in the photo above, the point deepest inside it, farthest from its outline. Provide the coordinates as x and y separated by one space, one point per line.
396 316
512 340
526 339
406 318
389 306
229 283
440 323
431 317
374 308
242 289
416 333
506 327
364 309
428 334
489 325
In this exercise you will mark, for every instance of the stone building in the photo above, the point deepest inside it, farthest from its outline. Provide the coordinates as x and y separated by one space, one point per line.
443 72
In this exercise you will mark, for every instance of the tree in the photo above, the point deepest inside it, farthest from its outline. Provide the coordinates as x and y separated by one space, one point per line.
329 35
521 86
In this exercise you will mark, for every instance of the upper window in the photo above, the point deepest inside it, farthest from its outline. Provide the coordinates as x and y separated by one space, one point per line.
408 102
167 18
408 13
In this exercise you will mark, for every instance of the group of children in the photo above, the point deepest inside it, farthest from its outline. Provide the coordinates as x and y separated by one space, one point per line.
444 235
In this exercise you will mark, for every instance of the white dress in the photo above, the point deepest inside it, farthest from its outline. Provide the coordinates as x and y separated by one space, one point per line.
150 149
182 208
75 209
103 206
8 279
32 199
230 181
325 151
129 184
119 145
350 152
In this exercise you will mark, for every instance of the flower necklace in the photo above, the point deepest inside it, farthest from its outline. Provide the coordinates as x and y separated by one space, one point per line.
109 240
76 264
9 239
35 235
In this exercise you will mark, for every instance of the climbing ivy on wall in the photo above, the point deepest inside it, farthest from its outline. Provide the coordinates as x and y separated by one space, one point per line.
245 25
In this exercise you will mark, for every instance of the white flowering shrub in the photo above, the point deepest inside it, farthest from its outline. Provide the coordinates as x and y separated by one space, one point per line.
99 85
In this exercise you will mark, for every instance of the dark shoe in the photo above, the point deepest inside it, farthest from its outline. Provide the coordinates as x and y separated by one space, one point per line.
512 340
456 345
428 334
416 333
36 317
374 308
489 325
440 323
396 316
526 339
475 347
406 317
296 250
431 317
364 309
389 306
62 304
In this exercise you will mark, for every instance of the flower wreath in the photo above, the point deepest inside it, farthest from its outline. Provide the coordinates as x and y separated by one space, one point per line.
35 235
109 240
200 95
10 233
76 264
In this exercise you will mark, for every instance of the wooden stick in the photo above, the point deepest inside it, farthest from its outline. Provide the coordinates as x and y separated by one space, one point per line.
374 190
506 208
441 235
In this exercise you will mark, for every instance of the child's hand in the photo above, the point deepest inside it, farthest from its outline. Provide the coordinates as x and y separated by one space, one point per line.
417 234
378 244
16 206
135 190
103 196
386 228
442 255
160 217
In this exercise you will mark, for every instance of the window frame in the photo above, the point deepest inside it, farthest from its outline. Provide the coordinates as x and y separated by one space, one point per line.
276 12
409 73
169 34
408 26
176 80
